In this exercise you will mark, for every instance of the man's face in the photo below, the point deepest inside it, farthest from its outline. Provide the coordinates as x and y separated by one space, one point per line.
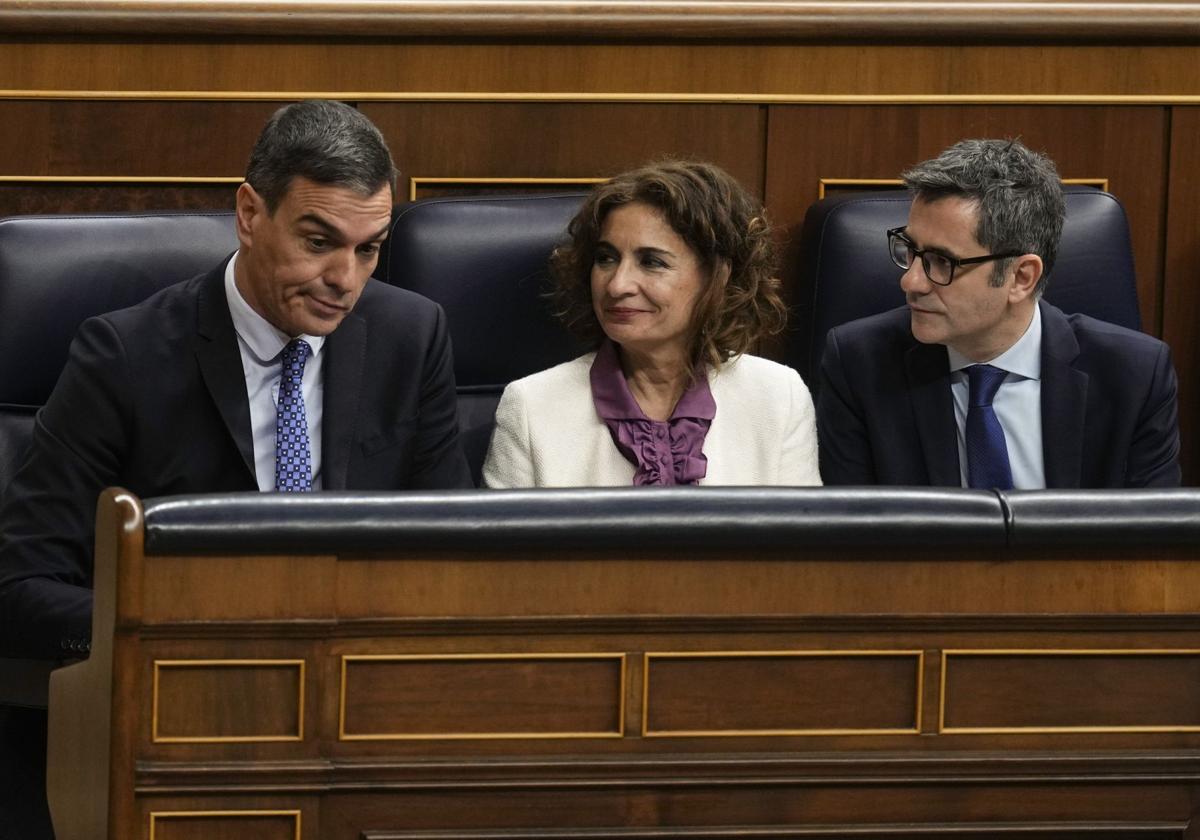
303 267
971 315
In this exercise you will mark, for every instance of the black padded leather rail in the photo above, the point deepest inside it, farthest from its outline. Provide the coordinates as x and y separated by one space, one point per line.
632 518
1150 517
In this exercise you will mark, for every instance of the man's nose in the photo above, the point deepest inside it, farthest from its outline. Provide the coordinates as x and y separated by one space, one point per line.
914 280
341 268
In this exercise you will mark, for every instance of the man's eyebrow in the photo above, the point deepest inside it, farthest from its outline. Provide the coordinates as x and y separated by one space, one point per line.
333 233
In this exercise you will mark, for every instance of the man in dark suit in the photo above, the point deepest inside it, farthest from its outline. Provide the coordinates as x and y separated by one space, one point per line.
977 382
285 368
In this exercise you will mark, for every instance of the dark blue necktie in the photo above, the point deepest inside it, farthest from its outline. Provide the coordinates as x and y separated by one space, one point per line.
987 453
293 463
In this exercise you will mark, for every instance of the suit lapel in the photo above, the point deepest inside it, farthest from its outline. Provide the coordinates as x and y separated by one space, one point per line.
1064 401
346 348
928 372
221 363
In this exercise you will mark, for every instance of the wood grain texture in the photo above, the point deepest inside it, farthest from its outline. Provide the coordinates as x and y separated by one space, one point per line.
567 140
1003 20
399 69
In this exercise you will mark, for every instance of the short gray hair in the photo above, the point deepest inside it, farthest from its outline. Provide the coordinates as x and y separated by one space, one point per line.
1018 192
327 142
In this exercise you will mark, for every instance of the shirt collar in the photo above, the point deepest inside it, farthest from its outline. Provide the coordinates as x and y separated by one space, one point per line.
1024 358
264 340
614 400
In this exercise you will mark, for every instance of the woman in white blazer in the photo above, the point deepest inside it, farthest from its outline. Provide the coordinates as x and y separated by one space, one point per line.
670 275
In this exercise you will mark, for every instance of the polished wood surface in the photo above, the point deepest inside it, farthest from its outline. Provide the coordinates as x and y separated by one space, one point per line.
765 70
1052 20
621 692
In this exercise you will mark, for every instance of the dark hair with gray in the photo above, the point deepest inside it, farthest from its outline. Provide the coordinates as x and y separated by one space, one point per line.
1018 192
719 221
324 141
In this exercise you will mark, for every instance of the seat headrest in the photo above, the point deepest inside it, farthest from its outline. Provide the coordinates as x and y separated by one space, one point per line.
848 273
57 271
484 259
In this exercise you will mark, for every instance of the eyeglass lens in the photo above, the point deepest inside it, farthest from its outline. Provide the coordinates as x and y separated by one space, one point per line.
938 268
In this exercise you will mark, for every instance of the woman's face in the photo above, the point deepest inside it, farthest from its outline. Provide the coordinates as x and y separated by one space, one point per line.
645 282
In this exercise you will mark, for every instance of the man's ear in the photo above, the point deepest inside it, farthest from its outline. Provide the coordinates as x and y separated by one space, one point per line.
248 207
1027 271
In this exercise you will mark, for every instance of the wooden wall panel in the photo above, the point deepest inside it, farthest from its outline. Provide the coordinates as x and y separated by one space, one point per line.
29 197
130 138
1181 315
567 140
1125 145
406 67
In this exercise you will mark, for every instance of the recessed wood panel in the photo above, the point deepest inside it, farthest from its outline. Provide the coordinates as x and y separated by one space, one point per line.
782 693
566 140
226 701
1125 145
225 825
485 696
1081 691
124 138
33 197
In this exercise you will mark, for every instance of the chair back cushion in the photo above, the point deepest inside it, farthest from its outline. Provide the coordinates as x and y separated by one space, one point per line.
484 259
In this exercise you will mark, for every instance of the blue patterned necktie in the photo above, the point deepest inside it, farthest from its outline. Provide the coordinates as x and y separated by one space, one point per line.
987 453
293 463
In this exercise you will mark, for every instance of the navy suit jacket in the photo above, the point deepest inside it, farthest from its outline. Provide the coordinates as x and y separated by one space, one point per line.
153 399
1109 418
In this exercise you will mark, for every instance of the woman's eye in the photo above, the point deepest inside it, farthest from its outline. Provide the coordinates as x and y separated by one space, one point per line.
603 259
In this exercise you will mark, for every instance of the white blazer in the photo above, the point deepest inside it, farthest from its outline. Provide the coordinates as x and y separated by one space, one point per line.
548 433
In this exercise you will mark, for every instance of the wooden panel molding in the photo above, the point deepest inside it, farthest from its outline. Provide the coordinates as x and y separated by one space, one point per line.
385 697
765 72
1065 691
225 825
226 701
1172 21
429 187
1151 830
782 693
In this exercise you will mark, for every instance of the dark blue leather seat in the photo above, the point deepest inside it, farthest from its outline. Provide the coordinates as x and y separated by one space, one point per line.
484 260
848 273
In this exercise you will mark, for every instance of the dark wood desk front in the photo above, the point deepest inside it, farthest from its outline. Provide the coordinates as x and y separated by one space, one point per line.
666 665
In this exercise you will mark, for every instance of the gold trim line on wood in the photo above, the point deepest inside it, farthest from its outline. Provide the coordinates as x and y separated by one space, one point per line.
1024 730
300 664
121 179
621 96
161 815
822 183
728 654
419 181
620 658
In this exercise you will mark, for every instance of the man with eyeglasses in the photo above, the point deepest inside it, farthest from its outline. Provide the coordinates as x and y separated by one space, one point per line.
977 381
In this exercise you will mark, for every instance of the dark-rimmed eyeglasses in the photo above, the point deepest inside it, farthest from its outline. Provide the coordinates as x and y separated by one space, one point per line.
938 267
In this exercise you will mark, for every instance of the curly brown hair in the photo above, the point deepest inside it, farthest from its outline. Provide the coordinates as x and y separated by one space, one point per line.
719 221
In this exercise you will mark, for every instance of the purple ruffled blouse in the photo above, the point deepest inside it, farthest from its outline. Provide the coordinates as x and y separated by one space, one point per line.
664 451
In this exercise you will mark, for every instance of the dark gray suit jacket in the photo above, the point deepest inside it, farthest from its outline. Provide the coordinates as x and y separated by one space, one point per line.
1109 416
153 399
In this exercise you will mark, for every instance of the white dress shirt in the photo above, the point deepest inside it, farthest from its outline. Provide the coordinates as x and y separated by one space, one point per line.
261 346
1018 405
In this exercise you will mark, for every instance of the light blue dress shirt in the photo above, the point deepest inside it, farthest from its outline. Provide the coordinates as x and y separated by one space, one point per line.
261 346
1018 405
